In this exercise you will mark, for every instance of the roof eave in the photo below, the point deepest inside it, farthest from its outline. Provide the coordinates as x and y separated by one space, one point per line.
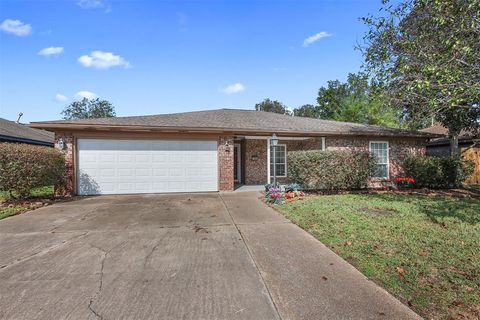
136 128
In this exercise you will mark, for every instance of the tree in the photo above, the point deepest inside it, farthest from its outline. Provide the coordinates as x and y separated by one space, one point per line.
426 54
307 110
86 108
355 101
272 106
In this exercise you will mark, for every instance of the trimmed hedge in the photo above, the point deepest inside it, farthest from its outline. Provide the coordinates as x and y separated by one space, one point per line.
331 170
24 167
438 172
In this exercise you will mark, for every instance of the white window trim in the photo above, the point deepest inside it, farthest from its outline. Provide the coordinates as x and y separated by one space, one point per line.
388 157
286 166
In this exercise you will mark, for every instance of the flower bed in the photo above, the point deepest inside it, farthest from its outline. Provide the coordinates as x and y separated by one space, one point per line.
275 194
404 182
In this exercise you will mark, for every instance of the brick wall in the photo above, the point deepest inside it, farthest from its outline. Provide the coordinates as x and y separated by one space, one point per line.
256 170
399 149
225 164
69 188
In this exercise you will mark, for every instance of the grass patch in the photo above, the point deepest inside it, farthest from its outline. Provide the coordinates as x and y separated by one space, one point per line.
9 207
423 249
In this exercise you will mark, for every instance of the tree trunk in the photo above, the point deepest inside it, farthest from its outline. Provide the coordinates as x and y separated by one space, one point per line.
454 150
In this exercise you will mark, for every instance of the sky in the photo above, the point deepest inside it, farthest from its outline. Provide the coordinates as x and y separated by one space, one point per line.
154 57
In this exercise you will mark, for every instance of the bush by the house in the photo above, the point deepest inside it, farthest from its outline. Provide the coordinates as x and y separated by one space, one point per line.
24 167
437 172
331 170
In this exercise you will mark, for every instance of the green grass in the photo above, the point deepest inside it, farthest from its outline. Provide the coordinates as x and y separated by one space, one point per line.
15 207
434 240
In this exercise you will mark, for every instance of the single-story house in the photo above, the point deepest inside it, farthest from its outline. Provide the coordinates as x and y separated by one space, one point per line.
19 133
210 150
440 145
468 143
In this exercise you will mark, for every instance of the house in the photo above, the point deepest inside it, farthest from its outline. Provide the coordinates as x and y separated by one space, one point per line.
19 133
468 142
209 150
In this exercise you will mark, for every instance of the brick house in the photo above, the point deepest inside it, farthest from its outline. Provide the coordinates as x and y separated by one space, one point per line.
211 150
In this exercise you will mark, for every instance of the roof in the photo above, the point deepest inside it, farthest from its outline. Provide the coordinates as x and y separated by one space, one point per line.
16 132
442 138
441 130
230 120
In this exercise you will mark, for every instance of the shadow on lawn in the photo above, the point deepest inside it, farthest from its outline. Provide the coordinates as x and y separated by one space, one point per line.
439 208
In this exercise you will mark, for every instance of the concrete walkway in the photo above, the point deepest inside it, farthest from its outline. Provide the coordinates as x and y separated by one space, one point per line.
182 256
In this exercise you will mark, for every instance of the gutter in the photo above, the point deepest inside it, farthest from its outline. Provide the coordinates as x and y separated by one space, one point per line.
25 140
140 128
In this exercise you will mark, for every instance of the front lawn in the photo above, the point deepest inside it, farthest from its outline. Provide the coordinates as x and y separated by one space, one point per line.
423 249
9 207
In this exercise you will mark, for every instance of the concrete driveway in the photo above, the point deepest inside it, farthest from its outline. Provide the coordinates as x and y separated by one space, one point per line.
182 256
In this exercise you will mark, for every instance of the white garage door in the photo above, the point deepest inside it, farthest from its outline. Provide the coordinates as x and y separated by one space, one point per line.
146 166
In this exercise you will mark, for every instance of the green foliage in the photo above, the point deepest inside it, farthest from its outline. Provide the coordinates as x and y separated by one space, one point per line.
356 100
437 172
331 170
272 106
24 167
86 109
425 53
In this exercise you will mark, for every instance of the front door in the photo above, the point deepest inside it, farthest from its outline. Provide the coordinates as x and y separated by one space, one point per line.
237 169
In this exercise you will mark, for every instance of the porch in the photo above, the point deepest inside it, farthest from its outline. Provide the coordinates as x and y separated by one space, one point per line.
254 162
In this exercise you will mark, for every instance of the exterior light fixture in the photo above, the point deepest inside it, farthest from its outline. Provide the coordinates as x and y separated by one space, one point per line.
274 140
61 144
227 146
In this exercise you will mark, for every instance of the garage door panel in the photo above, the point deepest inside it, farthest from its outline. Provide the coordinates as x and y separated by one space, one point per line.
146 166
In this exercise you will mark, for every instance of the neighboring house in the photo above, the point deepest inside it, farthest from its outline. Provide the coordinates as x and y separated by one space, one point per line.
468 143
16 132
440 145
210 150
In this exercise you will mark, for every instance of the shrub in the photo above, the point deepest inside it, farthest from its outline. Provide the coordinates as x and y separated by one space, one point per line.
331 170
24 167
438 172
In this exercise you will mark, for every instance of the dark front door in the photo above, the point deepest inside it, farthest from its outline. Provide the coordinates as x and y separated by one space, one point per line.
237 171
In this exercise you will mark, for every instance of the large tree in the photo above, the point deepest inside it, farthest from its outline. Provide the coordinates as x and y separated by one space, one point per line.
88 108
272 106
426 54
356 100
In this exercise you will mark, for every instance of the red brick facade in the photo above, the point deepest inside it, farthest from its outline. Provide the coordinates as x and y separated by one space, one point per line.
69 151
255 156
225 164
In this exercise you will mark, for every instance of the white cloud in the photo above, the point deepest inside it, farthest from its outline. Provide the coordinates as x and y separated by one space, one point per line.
16 27
86 94
51 51
90 4
315 38
234 88
103 60
94 4
60 97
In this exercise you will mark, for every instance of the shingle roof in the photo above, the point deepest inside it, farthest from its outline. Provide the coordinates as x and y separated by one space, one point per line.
236 120
13 131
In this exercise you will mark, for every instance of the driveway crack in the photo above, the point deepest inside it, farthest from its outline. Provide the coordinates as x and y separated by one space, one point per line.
100 281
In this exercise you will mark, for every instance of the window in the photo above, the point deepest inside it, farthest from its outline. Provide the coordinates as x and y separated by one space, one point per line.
280 160
380 150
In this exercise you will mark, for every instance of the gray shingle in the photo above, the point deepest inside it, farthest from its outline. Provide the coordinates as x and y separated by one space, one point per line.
238 120
20 131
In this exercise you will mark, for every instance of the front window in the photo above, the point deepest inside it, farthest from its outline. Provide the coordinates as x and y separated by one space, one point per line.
379 150
280 160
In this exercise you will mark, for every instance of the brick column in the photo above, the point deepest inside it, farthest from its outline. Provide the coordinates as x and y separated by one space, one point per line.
225 164
68 188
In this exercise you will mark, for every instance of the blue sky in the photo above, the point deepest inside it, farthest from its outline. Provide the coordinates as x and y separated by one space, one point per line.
151 57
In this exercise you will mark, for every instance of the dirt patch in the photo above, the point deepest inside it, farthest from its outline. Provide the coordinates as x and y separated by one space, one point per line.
378 211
